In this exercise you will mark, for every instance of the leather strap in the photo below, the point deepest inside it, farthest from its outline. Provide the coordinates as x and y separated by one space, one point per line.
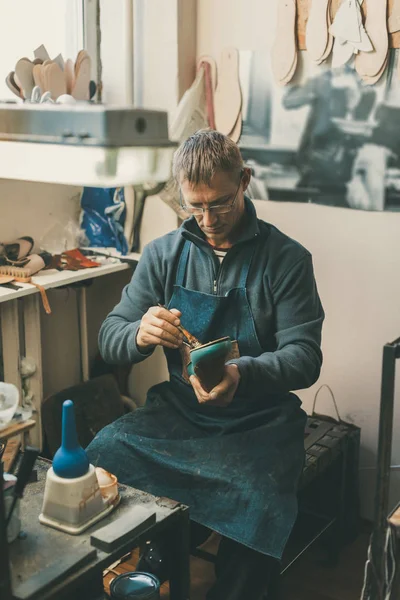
45 300
209 94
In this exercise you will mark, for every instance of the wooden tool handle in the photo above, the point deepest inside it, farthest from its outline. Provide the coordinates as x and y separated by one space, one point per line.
193 341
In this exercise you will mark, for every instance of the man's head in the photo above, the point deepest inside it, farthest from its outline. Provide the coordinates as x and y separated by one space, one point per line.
209 169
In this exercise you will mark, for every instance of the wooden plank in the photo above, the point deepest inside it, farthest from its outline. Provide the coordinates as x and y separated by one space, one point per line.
33 350
303 8
10 343
83 332
13 430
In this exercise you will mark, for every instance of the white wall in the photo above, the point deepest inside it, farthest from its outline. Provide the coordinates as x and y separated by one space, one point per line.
356 259
25 25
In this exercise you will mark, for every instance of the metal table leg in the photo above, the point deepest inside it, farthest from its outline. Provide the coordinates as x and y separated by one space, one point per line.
83 332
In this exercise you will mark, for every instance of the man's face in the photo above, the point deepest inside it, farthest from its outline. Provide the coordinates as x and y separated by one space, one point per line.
224 189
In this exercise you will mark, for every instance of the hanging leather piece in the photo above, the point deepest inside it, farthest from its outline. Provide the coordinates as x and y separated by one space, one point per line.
209 84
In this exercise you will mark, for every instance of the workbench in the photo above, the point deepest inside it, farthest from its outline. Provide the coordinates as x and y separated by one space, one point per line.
47 564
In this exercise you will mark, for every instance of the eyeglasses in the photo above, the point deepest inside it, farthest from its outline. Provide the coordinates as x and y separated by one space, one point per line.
218 209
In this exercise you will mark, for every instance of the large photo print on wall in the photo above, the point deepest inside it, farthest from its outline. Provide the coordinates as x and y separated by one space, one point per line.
326 138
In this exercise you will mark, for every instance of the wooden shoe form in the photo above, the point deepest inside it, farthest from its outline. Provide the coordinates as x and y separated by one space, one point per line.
291 73
376 78
284 49
80 90
329 45
317 34
69 70
228 95
394 18
370 63
54 80
237 130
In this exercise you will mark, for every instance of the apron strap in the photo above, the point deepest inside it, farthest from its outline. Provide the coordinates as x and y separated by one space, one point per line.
244 271
180 275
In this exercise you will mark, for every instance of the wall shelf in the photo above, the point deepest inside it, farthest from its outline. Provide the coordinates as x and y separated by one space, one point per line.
53 279
92 166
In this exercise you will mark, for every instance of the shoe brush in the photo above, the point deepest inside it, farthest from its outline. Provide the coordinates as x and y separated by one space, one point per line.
8 274
17 273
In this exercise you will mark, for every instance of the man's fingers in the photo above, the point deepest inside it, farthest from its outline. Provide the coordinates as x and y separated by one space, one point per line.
162 335
165 326
151 340
220 389
165 314
202 395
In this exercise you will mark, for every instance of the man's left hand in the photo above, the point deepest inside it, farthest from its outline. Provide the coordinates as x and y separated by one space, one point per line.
223 393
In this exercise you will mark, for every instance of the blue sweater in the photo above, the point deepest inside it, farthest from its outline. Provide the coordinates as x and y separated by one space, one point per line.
281 290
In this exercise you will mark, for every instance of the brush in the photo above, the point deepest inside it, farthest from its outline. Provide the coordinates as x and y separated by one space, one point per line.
24 276
193 341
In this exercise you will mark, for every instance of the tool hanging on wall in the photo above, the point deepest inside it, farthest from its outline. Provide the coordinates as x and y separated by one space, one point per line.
318 38
284 49
228 95
371 65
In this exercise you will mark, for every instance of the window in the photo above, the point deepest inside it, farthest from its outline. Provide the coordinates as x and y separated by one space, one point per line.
25 25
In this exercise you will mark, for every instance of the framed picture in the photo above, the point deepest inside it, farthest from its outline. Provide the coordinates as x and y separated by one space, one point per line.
325 138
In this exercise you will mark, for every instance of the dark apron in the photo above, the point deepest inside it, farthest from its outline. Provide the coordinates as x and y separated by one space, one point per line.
236 467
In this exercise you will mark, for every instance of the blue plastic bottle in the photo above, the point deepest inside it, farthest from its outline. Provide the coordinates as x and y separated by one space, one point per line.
70 460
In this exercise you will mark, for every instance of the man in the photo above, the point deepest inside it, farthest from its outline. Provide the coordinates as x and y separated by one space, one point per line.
233 454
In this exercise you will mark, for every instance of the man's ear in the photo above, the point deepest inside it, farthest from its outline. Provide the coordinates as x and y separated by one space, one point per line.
246 178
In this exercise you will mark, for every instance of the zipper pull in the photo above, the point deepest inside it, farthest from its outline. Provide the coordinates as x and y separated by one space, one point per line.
215 286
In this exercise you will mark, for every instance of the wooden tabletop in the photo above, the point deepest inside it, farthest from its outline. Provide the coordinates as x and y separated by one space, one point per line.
15 429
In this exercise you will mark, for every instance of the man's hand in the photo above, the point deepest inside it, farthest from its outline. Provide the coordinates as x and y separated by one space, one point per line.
158 327
223 393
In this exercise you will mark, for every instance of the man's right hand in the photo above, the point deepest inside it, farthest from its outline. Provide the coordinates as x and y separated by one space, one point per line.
158 327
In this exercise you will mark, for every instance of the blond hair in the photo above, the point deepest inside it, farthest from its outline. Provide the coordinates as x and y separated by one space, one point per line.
203 154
